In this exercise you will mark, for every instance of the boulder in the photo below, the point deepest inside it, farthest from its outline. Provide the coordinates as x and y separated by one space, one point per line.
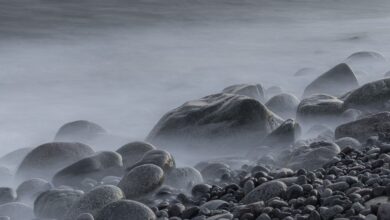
160 158
254 91
79 131
133 152
366 127
95 200
96 167
183 178
284 105
14 158
286 134
55 203
319 106
312 156
16 211
141 181
30 189
214 171
125 210
7 195
337 81
365 56
273 90
373 96
216 120
47 159
265 191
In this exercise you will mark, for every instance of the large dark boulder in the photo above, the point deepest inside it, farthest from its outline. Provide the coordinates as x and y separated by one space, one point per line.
95 200
366 127
55 203
47 159
133 152
141 181
126 210
286 134
252 90
371 96
7 195
216 120
319 106
337 81
96 167
284 105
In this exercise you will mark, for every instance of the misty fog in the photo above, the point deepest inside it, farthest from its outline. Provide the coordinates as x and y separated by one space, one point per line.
123 64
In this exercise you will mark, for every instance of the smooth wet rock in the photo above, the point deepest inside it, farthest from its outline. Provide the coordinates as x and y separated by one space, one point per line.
96 167
371 96
125 210
366 127
286 134
79 131
14 158
252 90
16 211
318 107
337 81
55 203
183 178
141 181
265 192
29 190
160 158
312 156
215 120
95 200
133 152
47 159
7 195
284 105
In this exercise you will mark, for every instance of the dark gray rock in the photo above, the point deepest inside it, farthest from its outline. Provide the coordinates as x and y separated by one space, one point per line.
160 158
284 105
79 131
265 192
133 152
47 159
337 81
183 178
7 195
222 118
252 90
141 181
312 156
318 107
95 200
371 96
125 210
286 134
96 167
55 203
16 211
29 190
366 127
